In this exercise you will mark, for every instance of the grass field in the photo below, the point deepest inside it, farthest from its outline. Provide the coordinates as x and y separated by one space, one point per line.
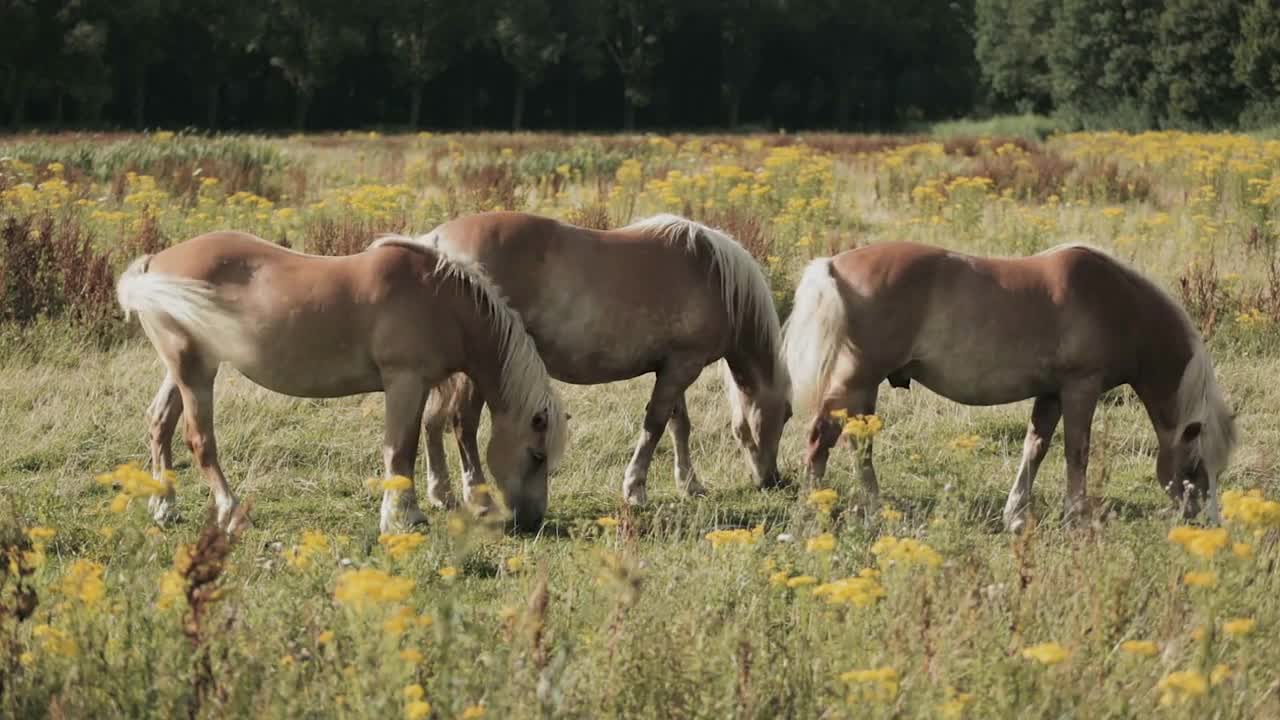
613 611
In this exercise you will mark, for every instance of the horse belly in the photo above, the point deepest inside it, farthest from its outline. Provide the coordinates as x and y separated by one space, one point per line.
983 386
316 368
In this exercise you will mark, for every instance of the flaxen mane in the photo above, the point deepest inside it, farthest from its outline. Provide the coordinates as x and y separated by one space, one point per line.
743 285
525 385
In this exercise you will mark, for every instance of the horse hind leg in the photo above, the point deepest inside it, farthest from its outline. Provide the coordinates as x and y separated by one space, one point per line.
676 375
686 479
1078 404
1044 420
194 378
405 394
162 418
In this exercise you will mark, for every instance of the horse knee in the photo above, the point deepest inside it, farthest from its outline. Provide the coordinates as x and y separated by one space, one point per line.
202 448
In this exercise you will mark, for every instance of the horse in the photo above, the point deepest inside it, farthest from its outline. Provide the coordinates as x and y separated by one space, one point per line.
398 317
1062 327
663 295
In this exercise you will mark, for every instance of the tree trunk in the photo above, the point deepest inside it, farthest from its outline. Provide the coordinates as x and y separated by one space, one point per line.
59 108
415 105
571 102
844 103
302 103
139 96
17 111
213 97
517 109
735 105
628 113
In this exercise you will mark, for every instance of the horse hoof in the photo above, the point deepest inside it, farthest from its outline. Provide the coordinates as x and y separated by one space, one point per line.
693 489
636 497
442 502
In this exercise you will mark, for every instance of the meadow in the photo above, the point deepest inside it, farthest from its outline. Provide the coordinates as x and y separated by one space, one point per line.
745 603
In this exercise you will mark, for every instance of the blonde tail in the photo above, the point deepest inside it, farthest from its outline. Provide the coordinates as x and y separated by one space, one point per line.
811 336
190 307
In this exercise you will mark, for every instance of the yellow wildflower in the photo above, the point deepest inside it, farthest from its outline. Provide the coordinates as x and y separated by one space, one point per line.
417 710
396 483
607 522
875 685
740 536
1244 551
824 543
954 706
83 581
399 545
473 712
325 638
907 552
824 499
1178 687
1050 653
448 572
413 692
801 581
1202 578
54 641
1220 674
368 587
515 563
411 656
889 514
41 534
1145 648
1237 627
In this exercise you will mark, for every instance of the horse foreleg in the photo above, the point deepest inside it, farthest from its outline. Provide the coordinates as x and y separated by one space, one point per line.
1078 404
1044 420
434 420
406 394
162 418
824 431
466 428
195 384
686 479
672 380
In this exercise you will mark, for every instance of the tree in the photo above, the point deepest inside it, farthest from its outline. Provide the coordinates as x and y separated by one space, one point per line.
530 43
743 25
1012 48
217 34
1256 60
1100 62
307 39
1193 83
634 41
584 52
139 36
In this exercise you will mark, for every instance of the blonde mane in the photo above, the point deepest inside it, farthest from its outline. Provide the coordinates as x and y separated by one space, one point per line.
525 386
1199 398
743 285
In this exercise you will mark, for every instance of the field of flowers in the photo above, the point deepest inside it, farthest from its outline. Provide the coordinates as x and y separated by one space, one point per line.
740 604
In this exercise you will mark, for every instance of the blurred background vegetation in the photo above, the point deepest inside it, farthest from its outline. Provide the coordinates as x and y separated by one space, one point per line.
661 64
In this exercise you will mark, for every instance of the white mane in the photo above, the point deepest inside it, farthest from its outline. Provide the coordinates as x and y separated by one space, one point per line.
524 384
746 291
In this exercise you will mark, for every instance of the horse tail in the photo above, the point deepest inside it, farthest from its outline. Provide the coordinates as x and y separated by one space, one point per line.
167 303
811 335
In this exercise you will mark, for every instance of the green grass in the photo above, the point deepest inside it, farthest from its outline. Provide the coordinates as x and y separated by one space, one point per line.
647 619
1031 127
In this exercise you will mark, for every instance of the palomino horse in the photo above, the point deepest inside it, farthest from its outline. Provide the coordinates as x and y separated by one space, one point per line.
1062 327
664 295
398 317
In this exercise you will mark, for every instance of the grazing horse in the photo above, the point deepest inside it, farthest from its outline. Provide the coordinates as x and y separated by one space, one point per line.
398 317
1062 327
664 295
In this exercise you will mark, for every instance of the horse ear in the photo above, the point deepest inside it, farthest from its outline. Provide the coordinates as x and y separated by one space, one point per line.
568 416
540 421
1191 431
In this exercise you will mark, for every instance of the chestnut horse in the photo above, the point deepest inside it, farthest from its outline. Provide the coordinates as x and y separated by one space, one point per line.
398 317
664 295
1062 327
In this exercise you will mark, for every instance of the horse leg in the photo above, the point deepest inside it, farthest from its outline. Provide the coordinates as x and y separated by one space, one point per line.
194 378
1044 419
433 425
466 428
673 379
862 401
686 479
162 416
406 394
824 431
1078 404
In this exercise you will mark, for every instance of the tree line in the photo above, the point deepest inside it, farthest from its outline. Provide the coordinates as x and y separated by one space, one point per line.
598 64
1134 64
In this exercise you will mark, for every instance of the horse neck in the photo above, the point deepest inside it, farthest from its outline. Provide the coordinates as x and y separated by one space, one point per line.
484 352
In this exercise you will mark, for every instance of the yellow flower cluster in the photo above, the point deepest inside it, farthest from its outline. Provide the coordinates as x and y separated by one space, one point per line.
1250 509
1201 542
878 685
313 543
738 536
824 543
400 545
82 582
1049 653
369 588
134 482
906 552
861 590
824 499
1187 685
859 427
